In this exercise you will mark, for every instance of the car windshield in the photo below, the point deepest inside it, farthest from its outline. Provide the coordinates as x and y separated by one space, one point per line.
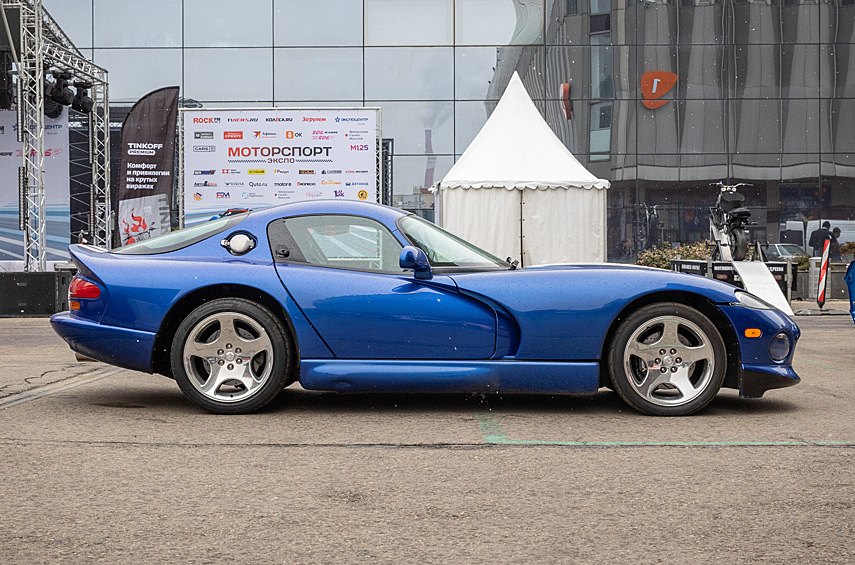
792 250
182 238
444 249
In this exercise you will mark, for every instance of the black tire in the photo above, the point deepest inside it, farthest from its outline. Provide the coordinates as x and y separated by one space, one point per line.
231 356
738 240
680 381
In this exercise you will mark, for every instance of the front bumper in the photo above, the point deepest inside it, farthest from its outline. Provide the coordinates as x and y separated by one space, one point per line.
130 349
757 379
758 372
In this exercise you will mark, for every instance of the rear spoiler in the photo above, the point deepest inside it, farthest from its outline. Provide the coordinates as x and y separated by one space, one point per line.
87 258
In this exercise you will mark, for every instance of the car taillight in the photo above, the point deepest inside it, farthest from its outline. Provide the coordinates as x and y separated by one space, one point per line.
81 288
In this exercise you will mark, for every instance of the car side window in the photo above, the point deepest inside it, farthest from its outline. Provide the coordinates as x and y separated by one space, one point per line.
344 242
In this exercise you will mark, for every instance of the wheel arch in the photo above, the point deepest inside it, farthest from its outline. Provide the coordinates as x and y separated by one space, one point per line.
192 300
700 303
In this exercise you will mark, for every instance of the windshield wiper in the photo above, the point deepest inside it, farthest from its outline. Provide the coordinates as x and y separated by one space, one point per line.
513 263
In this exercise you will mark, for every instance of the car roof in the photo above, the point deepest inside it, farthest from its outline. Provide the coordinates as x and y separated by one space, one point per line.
380 212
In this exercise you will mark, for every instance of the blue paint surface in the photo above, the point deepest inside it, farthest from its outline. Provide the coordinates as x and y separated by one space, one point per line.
528 330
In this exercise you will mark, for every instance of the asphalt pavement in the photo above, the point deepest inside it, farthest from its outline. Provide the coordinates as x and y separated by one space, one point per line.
102 464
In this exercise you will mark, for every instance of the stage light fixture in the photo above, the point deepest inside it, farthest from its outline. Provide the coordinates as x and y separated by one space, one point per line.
82 102
60 92
53 109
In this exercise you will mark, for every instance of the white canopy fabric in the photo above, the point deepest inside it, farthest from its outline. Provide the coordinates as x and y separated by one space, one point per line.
552 209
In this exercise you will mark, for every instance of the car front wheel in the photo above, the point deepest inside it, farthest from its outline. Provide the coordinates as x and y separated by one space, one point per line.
667 359
231 356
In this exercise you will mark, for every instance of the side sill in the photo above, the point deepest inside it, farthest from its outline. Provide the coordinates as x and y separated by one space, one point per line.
358 375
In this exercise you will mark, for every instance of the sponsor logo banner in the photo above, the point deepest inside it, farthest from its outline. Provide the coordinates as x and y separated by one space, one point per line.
330 147
146 164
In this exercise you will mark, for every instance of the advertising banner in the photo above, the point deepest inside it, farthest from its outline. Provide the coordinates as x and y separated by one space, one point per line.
56 188
146 168
256 158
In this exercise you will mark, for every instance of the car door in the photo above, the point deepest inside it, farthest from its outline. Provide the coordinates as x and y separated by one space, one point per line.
343 273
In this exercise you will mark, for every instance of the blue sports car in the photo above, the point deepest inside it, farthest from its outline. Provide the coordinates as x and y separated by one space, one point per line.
349 296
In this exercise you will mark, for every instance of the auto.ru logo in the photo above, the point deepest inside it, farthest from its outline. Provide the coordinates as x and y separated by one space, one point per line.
655 85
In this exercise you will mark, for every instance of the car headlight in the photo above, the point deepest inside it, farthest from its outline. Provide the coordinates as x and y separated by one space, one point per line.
750 301
779 348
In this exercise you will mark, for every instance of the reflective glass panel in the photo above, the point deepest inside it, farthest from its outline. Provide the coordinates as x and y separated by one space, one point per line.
568 65
801 126
247 72
757 71
841 121
601 126
601 6
499 22
418 128
74 17
702 71
475 69
800 66
154 23
313 104
412 176
469 118
318 74
409 73
414 22
319 22
224 23
602 82
800 21
755 125
127 83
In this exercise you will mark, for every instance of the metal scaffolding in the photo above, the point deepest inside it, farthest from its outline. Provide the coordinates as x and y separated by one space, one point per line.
42 45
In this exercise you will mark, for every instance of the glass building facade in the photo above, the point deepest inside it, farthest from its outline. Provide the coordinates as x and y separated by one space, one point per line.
663 97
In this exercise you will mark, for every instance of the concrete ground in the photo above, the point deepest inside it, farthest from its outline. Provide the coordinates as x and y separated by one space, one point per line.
100 464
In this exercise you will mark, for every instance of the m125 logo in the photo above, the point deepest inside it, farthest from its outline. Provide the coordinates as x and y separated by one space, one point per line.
655 85
359 148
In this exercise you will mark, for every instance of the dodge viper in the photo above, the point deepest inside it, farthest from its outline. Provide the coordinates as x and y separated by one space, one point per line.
350 296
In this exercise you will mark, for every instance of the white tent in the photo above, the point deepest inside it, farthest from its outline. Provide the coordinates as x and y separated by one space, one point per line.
517 191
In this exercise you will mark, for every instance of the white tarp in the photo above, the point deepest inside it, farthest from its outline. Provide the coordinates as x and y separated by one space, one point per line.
518 191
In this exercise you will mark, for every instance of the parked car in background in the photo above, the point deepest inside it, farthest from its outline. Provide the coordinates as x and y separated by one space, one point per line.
780 251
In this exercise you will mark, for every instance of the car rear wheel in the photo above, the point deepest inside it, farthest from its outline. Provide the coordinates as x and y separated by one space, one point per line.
667 360
231 356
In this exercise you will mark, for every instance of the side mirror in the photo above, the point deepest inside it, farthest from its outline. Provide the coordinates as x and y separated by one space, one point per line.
415 259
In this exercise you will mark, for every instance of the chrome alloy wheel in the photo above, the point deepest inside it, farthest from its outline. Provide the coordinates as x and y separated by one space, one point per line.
228 356
669 361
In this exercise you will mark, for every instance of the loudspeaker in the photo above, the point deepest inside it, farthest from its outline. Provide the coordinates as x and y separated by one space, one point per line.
33 294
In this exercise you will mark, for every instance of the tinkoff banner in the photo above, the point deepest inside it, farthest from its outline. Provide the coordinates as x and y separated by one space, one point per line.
56 188
256 158
146 167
